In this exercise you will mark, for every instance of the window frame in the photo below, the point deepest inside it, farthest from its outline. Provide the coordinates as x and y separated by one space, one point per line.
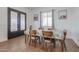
41 22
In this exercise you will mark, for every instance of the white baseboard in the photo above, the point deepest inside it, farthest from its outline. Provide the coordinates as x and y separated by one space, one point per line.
2 40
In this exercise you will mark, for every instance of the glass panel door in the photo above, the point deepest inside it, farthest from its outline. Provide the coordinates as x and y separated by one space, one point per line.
16 23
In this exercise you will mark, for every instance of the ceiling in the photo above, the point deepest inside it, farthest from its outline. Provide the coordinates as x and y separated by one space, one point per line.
33 8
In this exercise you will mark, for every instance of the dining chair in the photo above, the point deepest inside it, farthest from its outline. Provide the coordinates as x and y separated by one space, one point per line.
33 37
62 41
47 38
27 32
26 36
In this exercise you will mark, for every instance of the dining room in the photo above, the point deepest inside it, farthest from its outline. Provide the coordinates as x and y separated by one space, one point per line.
40 29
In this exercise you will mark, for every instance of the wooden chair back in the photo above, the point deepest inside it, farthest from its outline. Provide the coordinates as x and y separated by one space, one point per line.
47 34
30 28
63 41
33 32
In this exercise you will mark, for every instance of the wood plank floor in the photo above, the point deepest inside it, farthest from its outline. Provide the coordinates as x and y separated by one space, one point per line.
18 45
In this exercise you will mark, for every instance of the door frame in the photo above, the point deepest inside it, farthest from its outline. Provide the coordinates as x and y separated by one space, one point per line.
9 18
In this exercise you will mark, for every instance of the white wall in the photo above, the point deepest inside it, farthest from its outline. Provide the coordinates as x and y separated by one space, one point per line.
70 24
3 20
75 25
3 24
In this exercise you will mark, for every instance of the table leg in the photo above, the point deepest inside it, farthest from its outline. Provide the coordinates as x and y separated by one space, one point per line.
39 39
54 43
53 40
25 38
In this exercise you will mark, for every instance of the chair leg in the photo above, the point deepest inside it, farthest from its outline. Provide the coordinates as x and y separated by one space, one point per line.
46 45
35 43
39 40
29 42
43 44
65 46
49 47
62 47
54 43
25 38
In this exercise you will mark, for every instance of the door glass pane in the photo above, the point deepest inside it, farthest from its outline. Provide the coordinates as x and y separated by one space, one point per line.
13 21
22 22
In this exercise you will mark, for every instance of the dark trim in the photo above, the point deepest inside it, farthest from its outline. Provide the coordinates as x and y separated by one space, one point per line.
25 21
16 10
18 16
7 22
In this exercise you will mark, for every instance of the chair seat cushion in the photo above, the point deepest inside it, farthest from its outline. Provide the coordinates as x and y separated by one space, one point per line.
48 41
33 38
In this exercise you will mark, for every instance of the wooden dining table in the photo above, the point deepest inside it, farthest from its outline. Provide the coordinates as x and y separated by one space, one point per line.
56 36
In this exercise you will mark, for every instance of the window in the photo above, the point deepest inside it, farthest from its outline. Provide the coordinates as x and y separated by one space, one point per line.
46 19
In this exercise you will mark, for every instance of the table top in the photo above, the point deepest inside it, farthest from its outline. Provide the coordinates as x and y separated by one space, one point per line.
56 34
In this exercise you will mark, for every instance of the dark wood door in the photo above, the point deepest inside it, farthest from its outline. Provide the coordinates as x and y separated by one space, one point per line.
16 23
